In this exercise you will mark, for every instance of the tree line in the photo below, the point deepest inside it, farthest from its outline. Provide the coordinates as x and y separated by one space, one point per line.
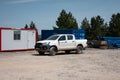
94 28
32 25
98 28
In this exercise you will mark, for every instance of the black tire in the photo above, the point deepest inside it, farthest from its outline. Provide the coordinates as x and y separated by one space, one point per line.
41 53
53 51
79 50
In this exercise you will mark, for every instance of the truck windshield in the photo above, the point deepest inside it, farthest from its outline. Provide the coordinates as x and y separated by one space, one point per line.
54 37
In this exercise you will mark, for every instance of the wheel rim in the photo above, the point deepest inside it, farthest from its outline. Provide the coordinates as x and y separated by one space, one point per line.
53 51
79 49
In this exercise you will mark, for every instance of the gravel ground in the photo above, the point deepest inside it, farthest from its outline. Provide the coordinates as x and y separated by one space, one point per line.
93 64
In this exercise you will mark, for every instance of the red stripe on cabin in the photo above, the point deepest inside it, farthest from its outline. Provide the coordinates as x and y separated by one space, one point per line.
16 50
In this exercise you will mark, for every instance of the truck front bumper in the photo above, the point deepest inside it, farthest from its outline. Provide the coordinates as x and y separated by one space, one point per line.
41 47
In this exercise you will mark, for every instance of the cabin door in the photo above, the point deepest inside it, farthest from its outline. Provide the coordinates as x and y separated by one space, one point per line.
31 39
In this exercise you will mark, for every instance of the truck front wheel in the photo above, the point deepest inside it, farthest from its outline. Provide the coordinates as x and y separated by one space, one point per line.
53 51
79 50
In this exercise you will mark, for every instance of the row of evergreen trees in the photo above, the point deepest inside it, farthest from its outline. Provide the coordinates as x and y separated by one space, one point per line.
32 25
96 27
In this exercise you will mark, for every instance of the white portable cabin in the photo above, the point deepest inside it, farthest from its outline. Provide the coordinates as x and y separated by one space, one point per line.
17 39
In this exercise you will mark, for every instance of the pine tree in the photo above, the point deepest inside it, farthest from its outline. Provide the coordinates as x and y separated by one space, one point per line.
97 23
26 26
32 25
86 26
66 21
114 25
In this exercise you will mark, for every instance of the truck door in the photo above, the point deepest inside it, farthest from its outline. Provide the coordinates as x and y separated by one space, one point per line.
62 43
70 41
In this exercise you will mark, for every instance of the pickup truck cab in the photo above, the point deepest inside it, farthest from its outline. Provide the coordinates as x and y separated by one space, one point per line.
60 42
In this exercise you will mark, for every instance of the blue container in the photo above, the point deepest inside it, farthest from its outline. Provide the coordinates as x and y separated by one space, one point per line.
79 34
113 41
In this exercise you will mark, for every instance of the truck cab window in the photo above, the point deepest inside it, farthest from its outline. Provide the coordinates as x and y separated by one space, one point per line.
62 38
70 37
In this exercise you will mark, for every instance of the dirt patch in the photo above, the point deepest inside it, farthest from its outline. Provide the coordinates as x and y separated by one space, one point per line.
94 64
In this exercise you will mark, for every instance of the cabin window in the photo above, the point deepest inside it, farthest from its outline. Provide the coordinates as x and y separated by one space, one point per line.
62 38
70 37
17 35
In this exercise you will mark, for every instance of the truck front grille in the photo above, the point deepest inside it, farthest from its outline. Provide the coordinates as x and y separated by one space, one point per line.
41 47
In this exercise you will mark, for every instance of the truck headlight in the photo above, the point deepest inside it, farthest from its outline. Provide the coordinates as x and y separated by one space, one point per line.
47 43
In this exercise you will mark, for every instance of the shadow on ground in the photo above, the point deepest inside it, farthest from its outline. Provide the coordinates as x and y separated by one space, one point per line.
59 53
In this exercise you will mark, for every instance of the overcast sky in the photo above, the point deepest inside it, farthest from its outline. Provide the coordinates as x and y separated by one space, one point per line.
44 13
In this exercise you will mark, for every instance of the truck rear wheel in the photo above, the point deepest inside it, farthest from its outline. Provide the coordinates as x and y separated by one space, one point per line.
53 51
79 50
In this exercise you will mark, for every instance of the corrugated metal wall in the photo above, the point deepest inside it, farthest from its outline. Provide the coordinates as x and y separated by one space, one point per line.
79 34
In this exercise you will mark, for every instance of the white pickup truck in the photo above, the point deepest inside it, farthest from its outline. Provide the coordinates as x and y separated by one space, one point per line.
60 42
